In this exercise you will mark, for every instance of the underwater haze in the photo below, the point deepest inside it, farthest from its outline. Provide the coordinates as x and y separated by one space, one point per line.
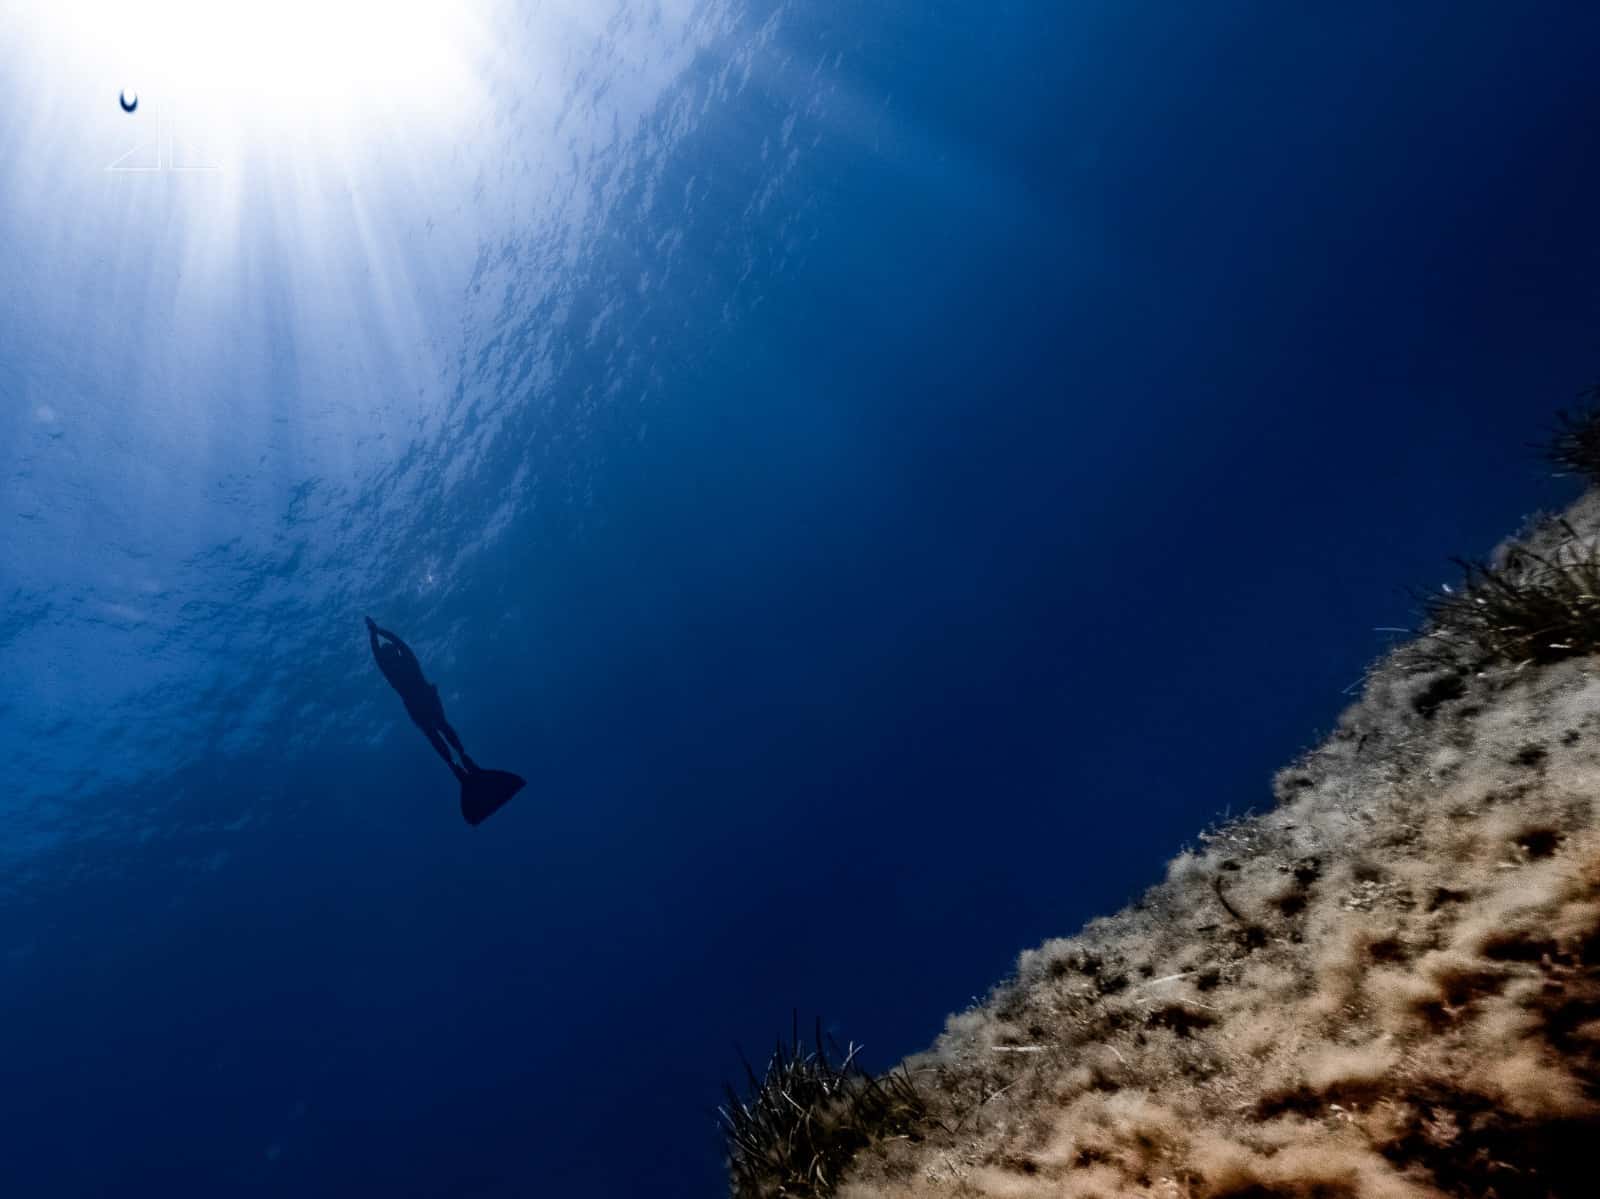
886 474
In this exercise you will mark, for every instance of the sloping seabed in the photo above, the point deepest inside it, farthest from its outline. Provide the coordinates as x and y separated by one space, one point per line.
1387 986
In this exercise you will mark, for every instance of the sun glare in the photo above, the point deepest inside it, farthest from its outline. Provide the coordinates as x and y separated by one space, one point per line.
300 61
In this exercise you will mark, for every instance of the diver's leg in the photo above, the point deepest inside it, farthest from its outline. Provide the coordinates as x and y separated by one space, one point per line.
450 735
444 752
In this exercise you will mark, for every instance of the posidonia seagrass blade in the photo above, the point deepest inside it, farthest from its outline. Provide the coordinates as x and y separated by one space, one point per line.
801 1122
1528 607
1574 447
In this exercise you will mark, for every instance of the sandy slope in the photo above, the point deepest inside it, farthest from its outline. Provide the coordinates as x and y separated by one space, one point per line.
1388 986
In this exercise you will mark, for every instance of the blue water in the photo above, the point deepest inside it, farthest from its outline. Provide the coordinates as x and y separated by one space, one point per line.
887 474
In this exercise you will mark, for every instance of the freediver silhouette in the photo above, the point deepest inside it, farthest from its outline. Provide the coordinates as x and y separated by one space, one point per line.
483 792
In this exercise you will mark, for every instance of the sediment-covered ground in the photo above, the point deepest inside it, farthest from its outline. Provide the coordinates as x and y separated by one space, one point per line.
1387 986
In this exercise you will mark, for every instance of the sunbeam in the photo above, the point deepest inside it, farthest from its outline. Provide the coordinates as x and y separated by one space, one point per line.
296 66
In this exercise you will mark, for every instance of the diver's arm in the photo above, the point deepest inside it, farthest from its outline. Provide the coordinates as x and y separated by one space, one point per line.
374 632
404 649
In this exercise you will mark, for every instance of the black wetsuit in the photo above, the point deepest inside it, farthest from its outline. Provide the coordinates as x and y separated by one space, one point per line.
404 672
